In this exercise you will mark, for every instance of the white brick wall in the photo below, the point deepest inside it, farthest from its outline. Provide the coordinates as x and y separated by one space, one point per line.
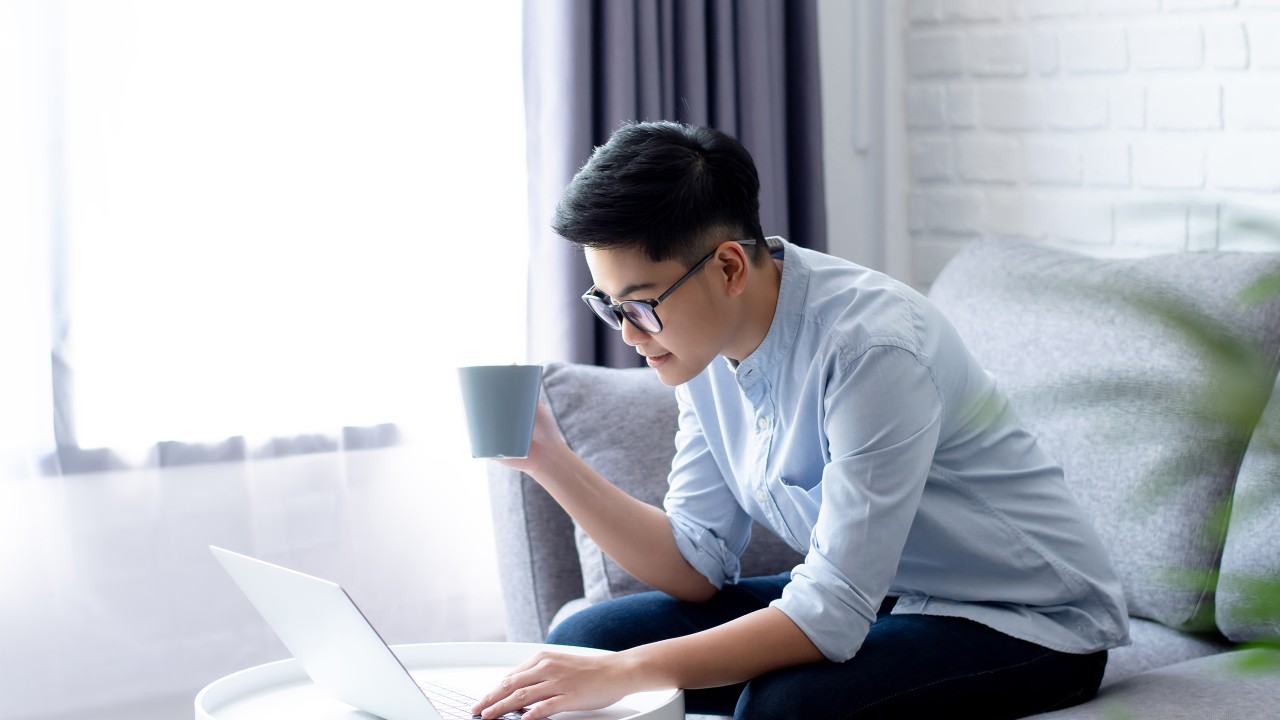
1113 126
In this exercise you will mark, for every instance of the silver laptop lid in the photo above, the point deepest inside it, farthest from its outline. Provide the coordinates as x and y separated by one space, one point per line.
330 637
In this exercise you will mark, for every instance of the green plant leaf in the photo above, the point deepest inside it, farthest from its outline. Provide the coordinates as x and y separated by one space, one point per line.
1265 661
1261 291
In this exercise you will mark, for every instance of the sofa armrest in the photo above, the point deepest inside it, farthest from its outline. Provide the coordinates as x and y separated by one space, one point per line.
537 557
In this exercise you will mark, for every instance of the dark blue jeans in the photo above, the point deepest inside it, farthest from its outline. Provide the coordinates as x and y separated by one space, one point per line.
909 665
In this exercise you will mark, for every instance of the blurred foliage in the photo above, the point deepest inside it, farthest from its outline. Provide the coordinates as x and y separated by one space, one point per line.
1113 710
1228 406
1232 399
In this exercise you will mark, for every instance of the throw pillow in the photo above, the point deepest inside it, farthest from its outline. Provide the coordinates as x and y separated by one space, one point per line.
1116 366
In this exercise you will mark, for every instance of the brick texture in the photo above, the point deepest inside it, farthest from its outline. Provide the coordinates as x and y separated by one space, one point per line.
1133 125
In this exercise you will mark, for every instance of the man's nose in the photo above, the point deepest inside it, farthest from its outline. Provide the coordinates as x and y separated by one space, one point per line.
633 335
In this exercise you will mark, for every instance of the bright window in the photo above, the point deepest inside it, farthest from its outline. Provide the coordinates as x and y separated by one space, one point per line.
285 216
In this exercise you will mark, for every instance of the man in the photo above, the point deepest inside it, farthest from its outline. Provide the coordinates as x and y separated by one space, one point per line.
947 568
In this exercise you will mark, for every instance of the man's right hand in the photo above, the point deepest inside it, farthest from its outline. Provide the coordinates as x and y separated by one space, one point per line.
548 445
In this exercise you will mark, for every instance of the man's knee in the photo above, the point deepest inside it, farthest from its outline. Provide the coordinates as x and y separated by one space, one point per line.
618 624
589 627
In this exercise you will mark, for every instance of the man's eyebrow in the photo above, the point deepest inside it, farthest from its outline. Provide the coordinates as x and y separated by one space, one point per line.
634 287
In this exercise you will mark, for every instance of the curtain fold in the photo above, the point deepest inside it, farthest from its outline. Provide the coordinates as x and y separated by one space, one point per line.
747 68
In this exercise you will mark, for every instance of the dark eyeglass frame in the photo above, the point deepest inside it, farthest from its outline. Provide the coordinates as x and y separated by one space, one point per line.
613 313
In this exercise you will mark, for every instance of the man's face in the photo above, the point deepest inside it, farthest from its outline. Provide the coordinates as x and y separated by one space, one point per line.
693 331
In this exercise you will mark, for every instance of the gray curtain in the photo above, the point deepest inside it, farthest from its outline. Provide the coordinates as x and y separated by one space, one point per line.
747 67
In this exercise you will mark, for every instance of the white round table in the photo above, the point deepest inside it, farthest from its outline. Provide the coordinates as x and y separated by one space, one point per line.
282 689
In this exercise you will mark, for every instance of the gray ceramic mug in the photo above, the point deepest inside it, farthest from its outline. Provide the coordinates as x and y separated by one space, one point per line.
500 401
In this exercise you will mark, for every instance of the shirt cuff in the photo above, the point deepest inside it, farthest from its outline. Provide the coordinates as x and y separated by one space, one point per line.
834 617
705 552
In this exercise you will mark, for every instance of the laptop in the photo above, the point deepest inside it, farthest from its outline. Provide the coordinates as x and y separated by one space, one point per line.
337 647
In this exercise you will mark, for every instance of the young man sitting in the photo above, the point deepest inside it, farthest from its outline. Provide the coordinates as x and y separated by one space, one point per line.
947 569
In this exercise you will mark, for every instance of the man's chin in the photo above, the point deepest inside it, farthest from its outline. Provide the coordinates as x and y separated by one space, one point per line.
668 379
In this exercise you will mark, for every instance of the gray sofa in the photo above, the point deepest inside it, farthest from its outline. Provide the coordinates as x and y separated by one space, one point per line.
1144 377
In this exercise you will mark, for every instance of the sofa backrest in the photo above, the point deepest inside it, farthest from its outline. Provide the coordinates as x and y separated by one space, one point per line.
1143 377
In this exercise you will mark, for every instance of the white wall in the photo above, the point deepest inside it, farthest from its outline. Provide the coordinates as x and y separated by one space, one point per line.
1118 126
1107 126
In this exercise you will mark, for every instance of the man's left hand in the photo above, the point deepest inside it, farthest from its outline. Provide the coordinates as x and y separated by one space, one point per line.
550 682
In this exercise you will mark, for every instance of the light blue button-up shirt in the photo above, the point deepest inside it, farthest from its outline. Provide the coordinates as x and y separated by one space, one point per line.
866 436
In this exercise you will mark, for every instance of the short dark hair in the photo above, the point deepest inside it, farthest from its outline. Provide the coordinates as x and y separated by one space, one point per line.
664 188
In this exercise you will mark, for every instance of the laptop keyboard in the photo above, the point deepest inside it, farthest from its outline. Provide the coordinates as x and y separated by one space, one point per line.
452 704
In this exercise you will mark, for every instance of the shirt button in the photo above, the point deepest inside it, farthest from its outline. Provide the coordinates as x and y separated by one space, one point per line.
762 423
760 496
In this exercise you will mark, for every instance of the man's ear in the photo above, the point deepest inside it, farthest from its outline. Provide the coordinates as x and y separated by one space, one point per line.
734 267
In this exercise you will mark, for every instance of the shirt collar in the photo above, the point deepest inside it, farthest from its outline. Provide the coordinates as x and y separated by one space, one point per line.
786 317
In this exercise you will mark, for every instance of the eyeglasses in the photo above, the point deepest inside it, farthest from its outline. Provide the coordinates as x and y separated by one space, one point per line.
641 313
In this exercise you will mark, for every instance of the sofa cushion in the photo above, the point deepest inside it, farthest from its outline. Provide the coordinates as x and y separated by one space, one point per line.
622 423
1249 586
1218 686
1155 646
1115 364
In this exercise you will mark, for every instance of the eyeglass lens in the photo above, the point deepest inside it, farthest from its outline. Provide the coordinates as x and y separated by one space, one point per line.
638 313
604 312
641 315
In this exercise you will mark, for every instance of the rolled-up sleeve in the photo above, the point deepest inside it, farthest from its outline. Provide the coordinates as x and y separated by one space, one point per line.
711 529
882 418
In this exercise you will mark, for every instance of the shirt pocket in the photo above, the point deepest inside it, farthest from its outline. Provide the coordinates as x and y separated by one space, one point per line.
798 503
805 482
